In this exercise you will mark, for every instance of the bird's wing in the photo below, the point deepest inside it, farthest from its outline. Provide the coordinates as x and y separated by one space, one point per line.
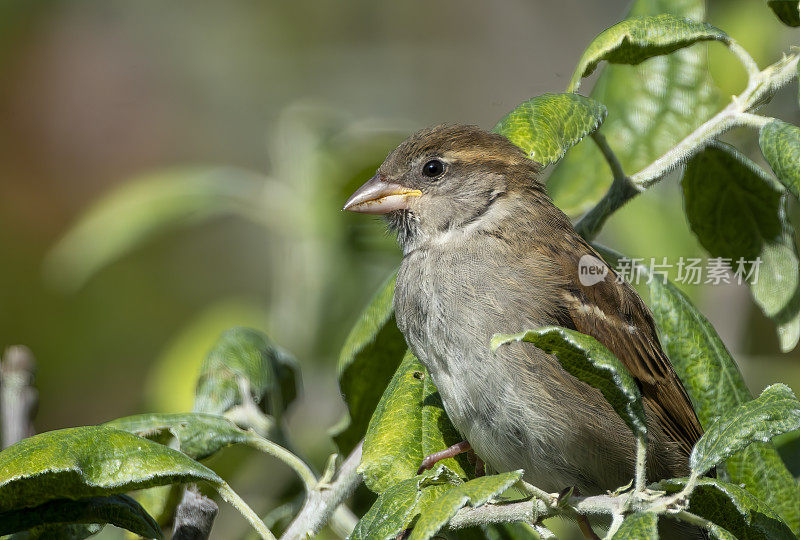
616 316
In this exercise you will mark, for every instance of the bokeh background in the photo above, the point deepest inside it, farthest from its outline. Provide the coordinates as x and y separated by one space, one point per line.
212 144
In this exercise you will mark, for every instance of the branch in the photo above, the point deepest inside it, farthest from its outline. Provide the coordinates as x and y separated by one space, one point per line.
325 499
194 516
760 89
18 397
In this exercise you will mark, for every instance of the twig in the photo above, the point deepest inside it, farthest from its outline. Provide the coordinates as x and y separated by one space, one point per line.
18 397
621 190
194 516
761 87
324 499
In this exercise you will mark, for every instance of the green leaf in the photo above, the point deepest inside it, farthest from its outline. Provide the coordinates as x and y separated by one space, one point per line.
740 512
401 503
587 359
475 493
651 107
700 358
138 210
119 510
546 126
788 11
774 412
780 144
737 211
246 358
715 385
638 526
438 433
200 435
369 358
393 446
94 461
636 39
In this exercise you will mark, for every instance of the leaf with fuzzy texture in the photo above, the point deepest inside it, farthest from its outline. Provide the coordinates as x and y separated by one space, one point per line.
546 126
636 39
780 144
404 429
774 412
398 505
638 526
475 493
587 359
738 511
96 461
738 212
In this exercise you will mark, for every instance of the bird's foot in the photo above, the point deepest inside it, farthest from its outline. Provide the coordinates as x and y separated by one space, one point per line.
433 459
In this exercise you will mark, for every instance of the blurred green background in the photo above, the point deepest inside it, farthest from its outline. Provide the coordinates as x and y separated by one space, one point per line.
227 135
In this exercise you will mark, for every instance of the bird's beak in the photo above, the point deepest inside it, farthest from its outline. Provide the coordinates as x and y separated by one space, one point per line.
379 196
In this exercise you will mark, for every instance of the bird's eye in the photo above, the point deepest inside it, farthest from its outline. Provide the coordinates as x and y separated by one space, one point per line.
433 168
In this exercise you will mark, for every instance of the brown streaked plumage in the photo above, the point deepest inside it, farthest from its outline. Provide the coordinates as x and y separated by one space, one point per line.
485 252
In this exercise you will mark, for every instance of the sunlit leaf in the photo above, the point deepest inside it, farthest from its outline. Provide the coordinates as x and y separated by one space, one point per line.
774 412
400 504
651 106
199 435
393 446
95 461
780 144
368 360
546 126
133 213
740 512
587 359
474 493
738 212
118 510
636 39
246 359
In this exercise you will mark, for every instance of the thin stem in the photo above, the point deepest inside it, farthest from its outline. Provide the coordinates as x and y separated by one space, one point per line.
621 190
237 502
694 519
641 464
616 523
548 498
610 156
268 447
753 120
324 499
744 57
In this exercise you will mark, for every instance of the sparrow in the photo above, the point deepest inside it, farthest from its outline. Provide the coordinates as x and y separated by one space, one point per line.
486 251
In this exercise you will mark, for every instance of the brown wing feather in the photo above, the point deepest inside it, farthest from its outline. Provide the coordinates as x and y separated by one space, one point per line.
622 322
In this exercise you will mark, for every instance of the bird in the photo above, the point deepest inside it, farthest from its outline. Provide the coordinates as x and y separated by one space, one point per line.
485 252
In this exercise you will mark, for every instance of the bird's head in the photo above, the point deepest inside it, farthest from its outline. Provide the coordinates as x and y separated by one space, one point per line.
444 178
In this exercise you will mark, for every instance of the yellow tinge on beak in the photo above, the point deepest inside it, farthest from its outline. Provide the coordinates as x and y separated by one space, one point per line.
379 196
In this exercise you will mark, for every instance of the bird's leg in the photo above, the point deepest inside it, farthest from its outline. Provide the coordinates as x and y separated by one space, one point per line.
475 461
436 457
